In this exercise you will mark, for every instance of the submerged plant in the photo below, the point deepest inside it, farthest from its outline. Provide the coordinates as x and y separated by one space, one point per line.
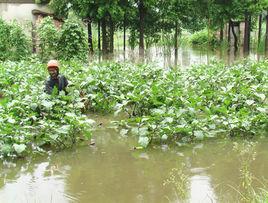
179 180
247 154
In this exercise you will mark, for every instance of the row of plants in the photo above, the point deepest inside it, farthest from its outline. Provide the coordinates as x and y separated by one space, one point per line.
174 105
206 101
31 120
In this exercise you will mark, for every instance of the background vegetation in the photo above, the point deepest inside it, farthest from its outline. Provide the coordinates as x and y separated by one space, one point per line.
14 44
146 20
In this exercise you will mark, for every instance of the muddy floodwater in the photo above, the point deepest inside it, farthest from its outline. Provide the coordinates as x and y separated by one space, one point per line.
112 171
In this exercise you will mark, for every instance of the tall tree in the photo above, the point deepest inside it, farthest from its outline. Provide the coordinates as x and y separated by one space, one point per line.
142 11
266 35
174 15
259 29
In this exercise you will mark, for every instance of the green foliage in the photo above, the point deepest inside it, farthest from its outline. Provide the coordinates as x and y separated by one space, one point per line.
69 42
31 119
162 105
72 42
203 39
133 39
205 101
14 44
48 38
161 16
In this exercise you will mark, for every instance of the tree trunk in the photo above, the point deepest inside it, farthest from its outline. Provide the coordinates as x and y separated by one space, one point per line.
34 37
266 35
247 33
111 34
229 33
235 37
260 30
124 32
221 34
141 28
104 36
99 35
90 42
176 38
208 26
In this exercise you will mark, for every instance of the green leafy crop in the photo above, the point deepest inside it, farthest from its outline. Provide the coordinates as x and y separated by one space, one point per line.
205 101
72 42
162 105
31 119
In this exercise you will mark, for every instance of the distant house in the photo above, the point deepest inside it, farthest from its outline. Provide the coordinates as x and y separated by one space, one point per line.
27 13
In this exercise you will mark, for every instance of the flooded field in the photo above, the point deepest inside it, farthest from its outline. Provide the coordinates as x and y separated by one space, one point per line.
186 56
214 107
112 171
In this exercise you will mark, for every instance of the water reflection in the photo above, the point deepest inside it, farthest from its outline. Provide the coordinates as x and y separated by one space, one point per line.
185 57
40 185
201 189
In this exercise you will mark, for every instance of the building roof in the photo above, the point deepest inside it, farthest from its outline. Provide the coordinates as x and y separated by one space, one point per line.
45 13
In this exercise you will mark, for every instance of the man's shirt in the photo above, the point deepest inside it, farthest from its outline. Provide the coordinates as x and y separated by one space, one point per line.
60 83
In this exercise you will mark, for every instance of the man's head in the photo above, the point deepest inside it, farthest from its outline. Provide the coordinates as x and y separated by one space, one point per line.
53 68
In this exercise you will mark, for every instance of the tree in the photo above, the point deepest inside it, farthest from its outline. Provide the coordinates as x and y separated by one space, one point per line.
83 8
176 16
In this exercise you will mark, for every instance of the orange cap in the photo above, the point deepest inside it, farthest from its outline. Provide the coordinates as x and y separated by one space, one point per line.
53 64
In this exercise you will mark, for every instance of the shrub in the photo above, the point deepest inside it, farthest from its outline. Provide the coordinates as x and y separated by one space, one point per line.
73 40
48 38
201 38
14 44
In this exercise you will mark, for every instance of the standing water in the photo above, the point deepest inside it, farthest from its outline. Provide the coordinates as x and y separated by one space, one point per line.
186 56
112 171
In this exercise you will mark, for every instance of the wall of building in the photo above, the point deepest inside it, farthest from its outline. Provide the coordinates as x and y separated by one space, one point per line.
21 12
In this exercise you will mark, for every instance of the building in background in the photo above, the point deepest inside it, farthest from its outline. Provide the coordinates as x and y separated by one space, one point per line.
20 10
28 14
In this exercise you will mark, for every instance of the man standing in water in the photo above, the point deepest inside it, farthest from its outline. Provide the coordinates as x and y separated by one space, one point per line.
56 81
